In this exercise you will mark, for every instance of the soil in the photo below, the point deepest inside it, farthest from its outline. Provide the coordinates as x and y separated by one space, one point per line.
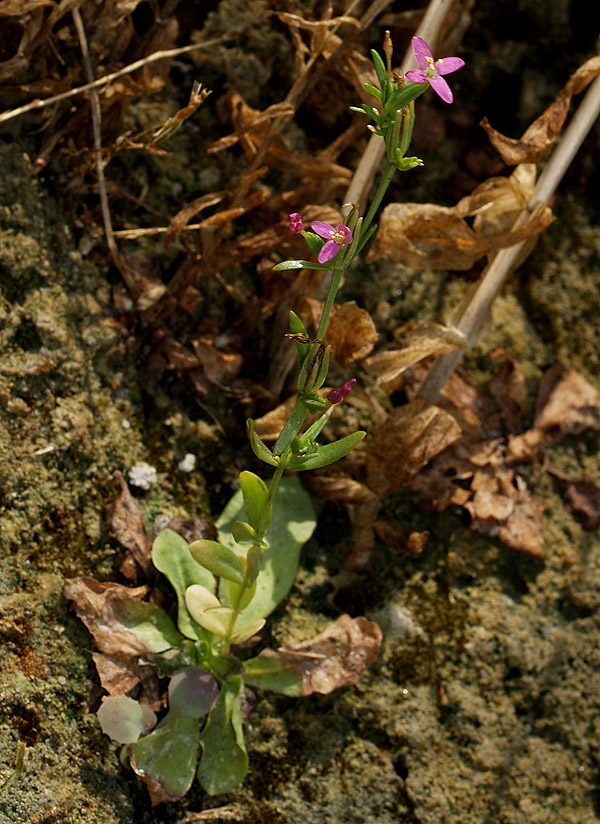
485 703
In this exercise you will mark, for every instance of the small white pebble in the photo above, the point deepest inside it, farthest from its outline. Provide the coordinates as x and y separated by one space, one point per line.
126 424
142 475
61 680
187 463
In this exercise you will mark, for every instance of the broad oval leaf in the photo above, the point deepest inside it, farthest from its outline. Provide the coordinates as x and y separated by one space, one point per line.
218 559
171 556
268 672
150 624
327 454
166 759
247 631
224 761
192 693
292 525
124 719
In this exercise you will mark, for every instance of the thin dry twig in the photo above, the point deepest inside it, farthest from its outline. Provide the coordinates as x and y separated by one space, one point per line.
117 257
108 78
506 260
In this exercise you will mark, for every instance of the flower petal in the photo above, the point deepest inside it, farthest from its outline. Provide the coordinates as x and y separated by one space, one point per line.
322 229
446 65
422 52
346 234
329 250
296 222
441 88
416 76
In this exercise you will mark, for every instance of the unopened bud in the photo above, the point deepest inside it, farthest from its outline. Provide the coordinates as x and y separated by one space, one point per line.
338 395
388 50
296 222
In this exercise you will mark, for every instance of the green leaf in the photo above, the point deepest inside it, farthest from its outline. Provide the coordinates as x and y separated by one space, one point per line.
124 719
369 111
192 694
224 761
291 427
315 404
234 593
327 454
243 533
292 525
150 624
218 559
256 495
313 241
298 328
171 556
166 758
260 449
379 67
300 264
373 90
267 672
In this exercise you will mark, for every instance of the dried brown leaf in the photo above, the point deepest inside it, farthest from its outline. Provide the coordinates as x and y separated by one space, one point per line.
509 390
410 437
335 658
124 517
419 342
100 607
566 404
536 142
351 333
400 537
422 235
581 497
219 367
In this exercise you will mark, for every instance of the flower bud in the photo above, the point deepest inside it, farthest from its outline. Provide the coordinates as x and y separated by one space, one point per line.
338 395
296 222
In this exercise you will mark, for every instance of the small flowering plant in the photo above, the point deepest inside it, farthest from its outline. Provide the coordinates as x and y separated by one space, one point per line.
227 588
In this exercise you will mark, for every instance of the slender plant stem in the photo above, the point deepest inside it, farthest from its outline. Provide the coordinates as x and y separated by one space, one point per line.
336 279
385 181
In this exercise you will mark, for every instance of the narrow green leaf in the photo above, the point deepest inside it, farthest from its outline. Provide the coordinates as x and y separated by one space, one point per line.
298 328
292 525
260 449
291 427
224 761
171 556
327 454
256 495
379 67
300 264
373 90
218 559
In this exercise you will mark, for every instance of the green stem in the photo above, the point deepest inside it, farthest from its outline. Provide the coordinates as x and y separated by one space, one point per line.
378 196
336 277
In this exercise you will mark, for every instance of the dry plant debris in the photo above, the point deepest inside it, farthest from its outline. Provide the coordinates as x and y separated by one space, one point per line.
335 658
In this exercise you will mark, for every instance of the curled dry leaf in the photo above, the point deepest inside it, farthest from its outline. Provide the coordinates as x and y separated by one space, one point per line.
419 342
410 437
536 142
509 390
100 607
566 404
581 497
335 658
124 517
351 333
400 537
362 505
437 237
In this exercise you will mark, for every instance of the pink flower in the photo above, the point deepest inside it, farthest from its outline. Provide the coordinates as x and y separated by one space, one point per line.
296 222
334 237
338 395
430 70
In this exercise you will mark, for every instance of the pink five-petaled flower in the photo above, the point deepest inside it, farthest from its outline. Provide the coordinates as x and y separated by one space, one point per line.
431 71
334 237
296 222
338 395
